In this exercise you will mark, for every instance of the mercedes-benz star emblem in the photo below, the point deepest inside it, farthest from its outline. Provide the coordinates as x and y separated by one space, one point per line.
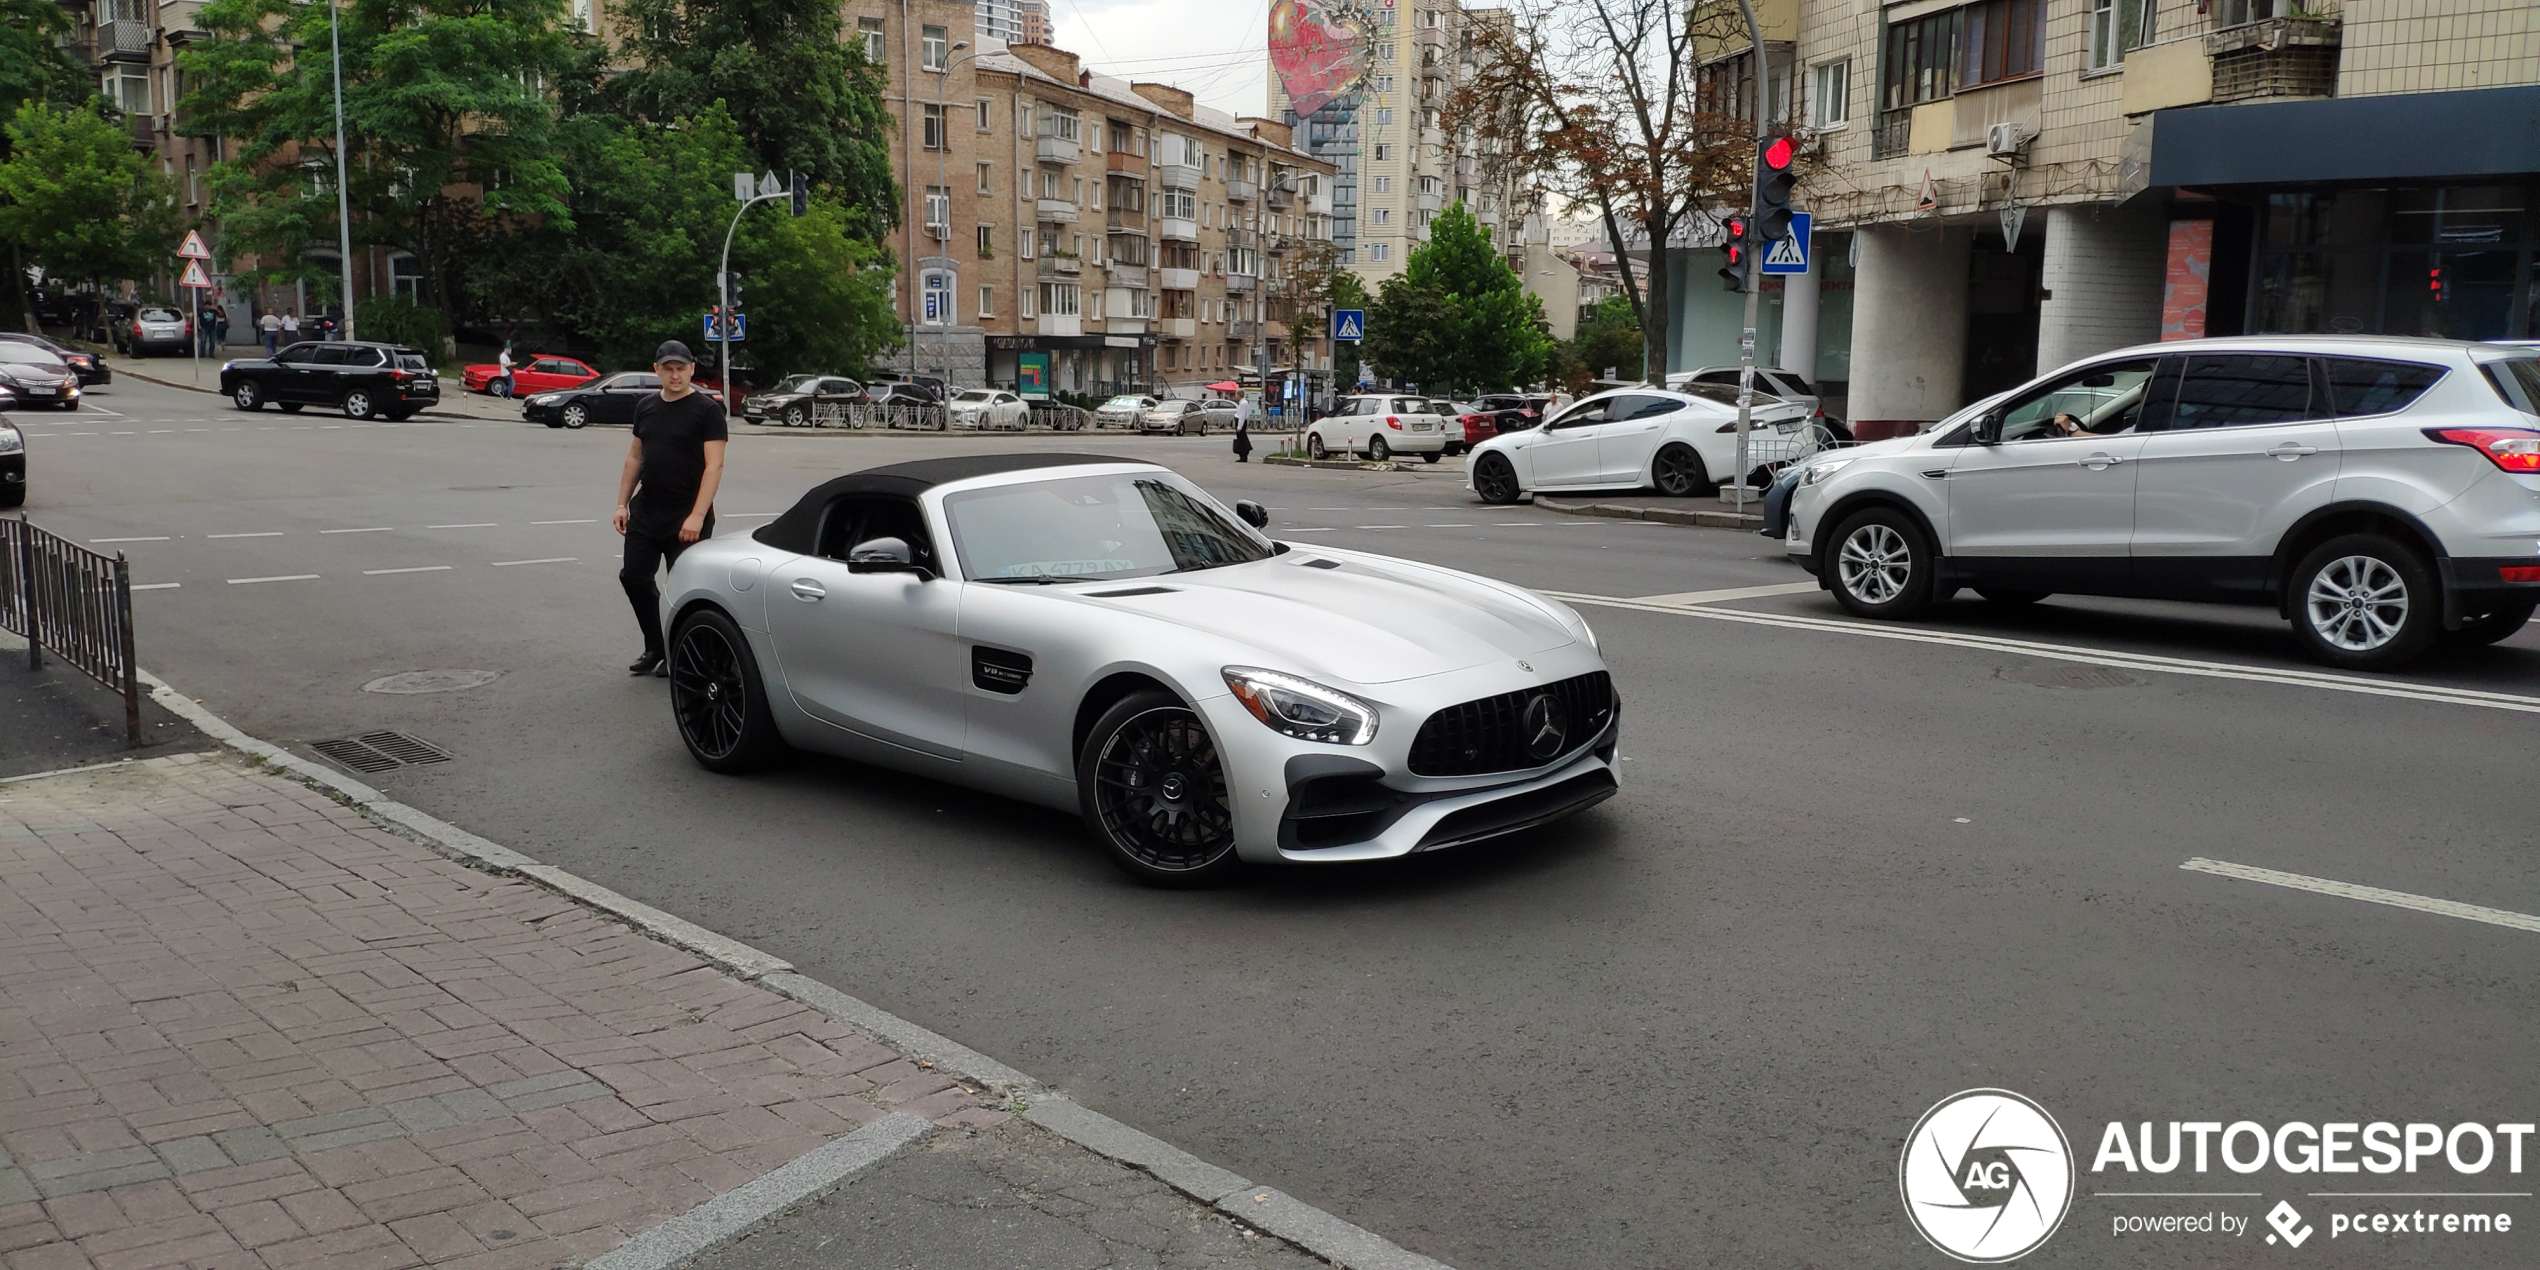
1546 729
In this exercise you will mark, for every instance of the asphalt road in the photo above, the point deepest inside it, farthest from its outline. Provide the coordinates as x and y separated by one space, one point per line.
1850 874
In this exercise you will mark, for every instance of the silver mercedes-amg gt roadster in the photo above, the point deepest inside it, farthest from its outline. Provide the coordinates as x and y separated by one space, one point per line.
1100 636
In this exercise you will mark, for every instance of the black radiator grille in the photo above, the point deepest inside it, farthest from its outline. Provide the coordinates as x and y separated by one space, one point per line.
1491 735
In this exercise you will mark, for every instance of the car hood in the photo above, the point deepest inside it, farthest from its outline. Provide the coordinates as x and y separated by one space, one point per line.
1369 621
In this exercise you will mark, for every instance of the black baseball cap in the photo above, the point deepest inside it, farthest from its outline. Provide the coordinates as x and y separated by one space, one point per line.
673 351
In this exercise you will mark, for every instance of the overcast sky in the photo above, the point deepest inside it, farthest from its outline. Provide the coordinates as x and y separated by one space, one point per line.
1217 49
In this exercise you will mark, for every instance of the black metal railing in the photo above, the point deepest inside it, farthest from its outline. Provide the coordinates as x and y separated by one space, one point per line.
62 596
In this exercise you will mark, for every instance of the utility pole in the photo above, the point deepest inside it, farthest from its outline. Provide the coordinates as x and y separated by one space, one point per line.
1754 274
343 197
943 182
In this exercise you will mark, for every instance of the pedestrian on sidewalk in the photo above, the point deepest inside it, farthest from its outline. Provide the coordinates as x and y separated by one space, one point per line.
206 328
1243 431
665 495
502 384
271 325
220 327
290 326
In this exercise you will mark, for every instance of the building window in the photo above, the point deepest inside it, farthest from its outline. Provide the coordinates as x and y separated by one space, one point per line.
1178 204
1380 216
2118 27
1379 251
193 184
984 170
986 117
1384 153
987 242
871 30
2001 40
1917 63
1023 240
1061 124
584 17
1384 185
936 298
987 302
2242 12
934 126
1384 116
1059 299
939 209
405 276
931 45
1830 101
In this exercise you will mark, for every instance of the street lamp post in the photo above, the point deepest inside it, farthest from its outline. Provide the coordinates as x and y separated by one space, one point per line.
943 149
723 293
343 198
1754 275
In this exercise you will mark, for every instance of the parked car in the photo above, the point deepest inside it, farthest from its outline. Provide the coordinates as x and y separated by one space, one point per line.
2383 494
1677 443
898 392
156 328
792 400
610 399
1788 385
362 379
928 386
540 373
989 409
1514 411
12 457
1123 411
37 377
1381 425
91 369
1187 418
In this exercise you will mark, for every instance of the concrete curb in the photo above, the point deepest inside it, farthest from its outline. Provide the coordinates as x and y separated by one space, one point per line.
1344 1244
725 1217
1659 515
1355 465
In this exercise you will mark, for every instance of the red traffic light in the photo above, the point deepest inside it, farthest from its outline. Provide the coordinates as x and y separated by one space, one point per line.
1777 155
1735 227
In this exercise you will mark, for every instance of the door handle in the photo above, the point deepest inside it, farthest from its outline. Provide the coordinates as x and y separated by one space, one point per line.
2101 462
806 589
2291 450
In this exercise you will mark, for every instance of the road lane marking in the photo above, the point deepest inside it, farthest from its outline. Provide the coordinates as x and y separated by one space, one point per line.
1449 525
155 586
160 538
280 577
375 529
571 522
1516 524
269 533
504 564
2097 657
1375 526
2368 894
421 568
482 524
1729 593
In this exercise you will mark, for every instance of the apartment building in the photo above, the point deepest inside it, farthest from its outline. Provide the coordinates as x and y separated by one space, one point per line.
1015 21
1069 231
2007 185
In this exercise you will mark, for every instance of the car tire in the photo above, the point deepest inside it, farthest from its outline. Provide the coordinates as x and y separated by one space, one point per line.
1881 566
2009 595
1495 479
1314 446
1377 450
398 416
1678 472
717 696
797 416
1431 457
359 404
575 415
2364 602
1153 791
247 396
2490 626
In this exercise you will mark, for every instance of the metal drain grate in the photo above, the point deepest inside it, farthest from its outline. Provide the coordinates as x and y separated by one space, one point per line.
381 751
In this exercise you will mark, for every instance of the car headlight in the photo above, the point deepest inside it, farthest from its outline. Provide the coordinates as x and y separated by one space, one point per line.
11 440
1819 471
1302 708
543 399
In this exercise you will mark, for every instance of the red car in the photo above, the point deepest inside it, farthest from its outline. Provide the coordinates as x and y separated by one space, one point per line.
530 374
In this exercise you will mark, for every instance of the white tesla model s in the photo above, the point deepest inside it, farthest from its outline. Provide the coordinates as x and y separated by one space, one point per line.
1101 636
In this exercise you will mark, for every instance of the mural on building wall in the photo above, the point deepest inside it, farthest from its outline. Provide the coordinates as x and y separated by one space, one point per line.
1317 50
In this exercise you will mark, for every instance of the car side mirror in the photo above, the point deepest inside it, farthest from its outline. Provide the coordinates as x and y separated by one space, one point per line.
1988 430
1252 513
884 555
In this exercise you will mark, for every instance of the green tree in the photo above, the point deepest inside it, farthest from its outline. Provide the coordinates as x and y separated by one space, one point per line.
1608 339
33 64
447 107
805 99
1457 317
76 198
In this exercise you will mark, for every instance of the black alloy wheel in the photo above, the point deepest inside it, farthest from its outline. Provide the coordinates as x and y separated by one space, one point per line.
1153 790
2490 626
1678 472
1377 450
1495 479
247 395
717 696
576 415
358 404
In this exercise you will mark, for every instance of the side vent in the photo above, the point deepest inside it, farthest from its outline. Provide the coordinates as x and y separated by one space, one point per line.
1000 671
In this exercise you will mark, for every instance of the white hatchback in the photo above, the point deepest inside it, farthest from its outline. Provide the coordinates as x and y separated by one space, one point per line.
1678 443
1380 425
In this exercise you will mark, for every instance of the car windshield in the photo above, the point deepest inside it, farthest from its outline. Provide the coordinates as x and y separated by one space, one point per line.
160 315
796 383
976 396
12 351
1128 525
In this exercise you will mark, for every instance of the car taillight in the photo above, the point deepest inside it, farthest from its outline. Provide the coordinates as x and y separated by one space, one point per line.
2513 449
1393 423
401 375
2520 573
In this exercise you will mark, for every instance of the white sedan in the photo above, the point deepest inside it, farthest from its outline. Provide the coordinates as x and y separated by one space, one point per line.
1678 443
1123 411
989 409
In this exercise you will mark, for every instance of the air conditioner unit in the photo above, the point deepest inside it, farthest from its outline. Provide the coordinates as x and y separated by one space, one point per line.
2005 139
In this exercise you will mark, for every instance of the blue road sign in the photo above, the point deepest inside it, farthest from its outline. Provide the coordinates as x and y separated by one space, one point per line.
1349 324
740 328
1790 255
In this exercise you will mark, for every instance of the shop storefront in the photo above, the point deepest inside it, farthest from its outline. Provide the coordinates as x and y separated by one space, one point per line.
1089 365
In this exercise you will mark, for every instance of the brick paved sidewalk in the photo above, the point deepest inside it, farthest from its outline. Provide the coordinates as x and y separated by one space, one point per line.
242 1026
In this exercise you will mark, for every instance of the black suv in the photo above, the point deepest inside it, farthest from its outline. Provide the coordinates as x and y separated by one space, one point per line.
365 381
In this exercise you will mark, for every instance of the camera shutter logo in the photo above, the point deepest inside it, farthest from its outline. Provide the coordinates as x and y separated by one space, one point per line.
1986 1175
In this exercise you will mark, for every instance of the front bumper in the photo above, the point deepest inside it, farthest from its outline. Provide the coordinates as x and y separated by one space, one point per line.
534 413
13 469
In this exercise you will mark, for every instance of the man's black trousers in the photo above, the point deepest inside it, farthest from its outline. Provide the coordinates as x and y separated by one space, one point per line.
650 548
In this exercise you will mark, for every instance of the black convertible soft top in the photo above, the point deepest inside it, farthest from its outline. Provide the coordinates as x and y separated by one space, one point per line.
798 530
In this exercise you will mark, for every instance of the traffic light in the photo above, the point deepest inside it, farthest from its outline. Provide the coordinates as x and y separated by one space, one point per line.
732 287
802 192
1733 269
1773 179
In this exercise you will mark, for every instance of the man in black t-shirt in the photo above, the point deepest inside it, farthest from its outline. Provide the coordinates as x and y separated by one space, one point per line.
665 497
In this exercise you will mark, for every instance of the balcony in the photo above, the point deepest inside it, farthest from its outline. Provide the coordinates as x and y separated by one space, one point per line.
1120 276
1242 238
2275 58
145 131
1241 283
1124 325
1124 162
1177 176
1276 244
1177 230
1057 211
1121 220
1243 330
1894 133
1431 202
1242 191
1053 324
1060 150
1062 266
1279 196
1177 328
124 40
1178 279
1435 37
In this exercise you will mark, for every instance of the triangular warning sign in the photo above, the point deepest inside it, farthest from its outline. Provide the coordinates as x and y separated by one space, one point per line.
1786 252
194 275
194 248
1349 329
1929 199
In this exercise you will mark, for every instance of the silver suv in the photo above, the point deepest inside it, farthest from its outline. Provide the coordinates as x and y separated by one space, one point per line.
2381 493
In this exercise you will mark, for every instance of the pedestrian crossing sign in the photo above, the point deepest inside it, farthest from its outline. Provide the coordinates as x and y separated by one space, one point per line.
1790 255
1349 324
